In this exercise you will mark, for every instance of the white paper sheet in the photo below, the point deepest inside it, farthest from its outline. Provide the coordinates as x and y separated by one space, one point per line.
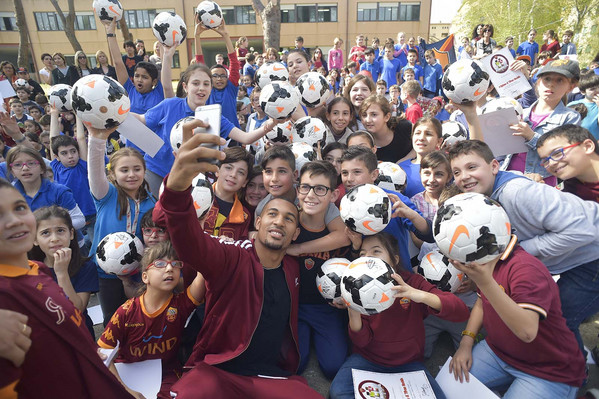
459 390
110 353
140 135
412 385
498 135
95 313
144 377
508 83
6 89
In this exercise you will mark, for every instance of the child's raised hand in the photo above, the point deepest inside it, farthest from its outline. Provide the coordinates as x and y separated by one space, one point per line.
62 258
522 129
221 29
110 26
167 51
354 237
521 66
101 133
480 273
404 290
399 209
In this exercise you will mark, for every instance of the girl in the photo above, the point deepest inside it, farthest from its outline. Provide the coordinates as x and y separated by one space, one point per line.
56 245
81 64
356 91
477 34
336 54
254 191
241 47
332 153
121 198
103 67
318 61
298 63
550 44
243 101
435 174
8 71
63 73
486 44
60 336
272 54
151 314
391 134
393 341
340 116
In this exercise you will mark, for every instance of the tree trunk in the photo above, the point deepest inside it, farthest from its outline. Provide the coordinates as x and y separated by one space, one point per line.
270 16
23 55
68 22
125 29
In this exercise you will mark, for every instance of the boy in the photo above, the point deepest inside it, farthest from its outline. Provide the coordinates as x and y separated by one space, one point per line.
23 95
357 52
412 58
390 66
589 87
371 65
299 44
130 58
318 321
568 249
409 96
18 111
395 101
433 74
381 88
359 166
509 43
250 67
220 60
567 46
36 113
529 47
352 69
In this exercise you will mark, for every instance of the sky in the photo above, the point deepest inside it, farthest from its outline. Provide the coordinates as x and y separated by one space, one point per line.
443 11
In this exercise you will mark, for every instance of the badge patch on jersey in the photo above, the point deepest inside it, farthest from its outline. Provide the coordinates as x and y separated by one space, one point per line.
171 314
39 286
405 303
309 263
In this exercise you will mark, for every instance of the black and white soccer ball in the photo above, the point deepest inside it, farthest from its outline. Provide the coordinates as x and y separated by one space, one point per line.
279 100
169 28
100 101
314 89
366 285
312 131
328 279
303 153
20 83
503 103
391 177
210 14
438 270
472 227
465 80
60 97
453 132
108 10
366 209
119 253
281 133
176 138
270 72
201 193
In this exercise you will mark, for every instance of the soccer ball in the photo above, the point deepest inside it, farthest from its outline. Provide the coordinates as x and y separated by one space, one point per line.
304 153
311 131
328 279
313 88
60 97
366 285
119 253
169 28
201 193
437 270
100 101
453 132
391 177
177 133
20 82
279 100
210 14
471 227
108 10
465 80
503 103
281 133
366 209
271 72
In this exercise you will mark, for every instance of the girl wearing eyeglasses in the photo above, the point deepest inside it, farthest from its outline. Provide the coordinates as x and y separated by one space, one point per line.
150 325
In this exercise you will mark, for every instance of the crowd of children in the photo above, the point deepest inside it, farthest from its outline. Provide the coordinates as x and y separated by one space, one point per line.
64 186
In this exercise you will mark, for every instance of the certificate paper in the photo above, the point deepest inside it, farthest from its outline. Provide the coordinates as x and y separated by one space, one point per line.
459 390
411 385
508 83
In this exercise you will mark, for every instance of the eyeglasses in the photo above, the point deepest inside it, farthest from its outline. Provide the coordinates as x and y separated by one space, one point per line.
148 231
81 57
319 189
19 165
217 76
556 155
161 264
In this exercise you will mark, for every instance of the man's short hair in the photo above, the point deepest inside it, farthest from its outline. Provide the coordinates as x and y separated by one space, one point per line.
279 152
128 43
63 140
360 153
476 147
381 82
282 199
369 51
412 88
413 51
588 79
321 168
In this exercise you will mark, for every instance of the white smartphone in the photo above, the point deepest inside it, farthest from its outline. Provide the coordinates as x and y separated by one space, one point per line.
210 114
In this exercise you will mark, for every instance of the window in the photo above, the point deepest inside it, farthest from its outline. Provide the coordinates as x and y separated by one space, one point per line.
48 21
139 18
8 21
367 11
176 63
306 13
409 11
327 12
388 11
288 13
85 21
239 15
309 13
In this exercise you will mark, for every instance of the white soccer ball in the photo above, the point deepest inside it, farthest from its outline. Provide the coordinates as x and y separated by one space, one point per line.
437 270
328 279
60 97
471 227
366 285
465 80
366 209
503 103
391 177
20 82
119 253
169 28
313 88
279 100
100 101
453 132
177 133
210 14
108 10
281 133
303 153
201 193
311 131
270 72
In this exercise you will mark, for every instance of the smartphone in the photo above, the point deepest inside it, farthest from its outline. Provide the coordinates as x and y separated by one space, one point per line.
210 114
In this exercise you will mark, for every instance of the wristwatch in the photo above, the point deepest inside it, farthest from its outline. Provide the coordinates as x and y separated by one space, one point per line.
110 35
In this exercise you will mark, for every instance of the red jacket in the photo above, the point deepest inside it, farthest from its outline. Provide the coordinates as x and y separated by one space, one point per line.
396 336
234 286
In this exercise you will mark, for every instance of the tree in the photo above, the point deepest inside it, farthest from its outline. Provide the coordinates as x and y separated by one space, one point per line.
270 15
68 22
23 55
125 29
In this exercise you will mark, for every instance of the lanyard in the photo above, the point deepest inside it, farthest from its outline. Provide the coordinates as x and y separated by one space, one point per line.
132 228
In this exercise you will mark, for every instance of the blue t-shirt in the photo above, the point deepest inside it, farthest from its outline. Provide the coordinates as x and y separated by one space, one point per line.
249 70
530 49
432 77
75 178
161 120
140 103
49 194
107 220
374 69
513 52
414 184
227 98
417 71
389 70
86 279
590 121
401 54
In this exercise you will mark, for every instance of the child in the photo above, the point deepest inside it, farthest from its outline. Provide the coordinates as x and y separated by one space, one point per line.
318 322
392 341
356 54
152 233
529 47
332 154
353 68
567 46
551 43
362 138
18 111
412 59
409 96
45 141
371 65
336 54
589 87
299 45
250 67
433 74
130 58
60 334
390 67
243 101
241 50
340 116
36 113
381 88
435 174
150 325
254 191
394 100
23 95
509 43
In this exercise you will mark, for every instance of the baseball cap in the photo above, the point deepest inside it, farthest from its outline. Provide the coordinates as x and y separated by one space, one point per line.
524 58
22 70
567 68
